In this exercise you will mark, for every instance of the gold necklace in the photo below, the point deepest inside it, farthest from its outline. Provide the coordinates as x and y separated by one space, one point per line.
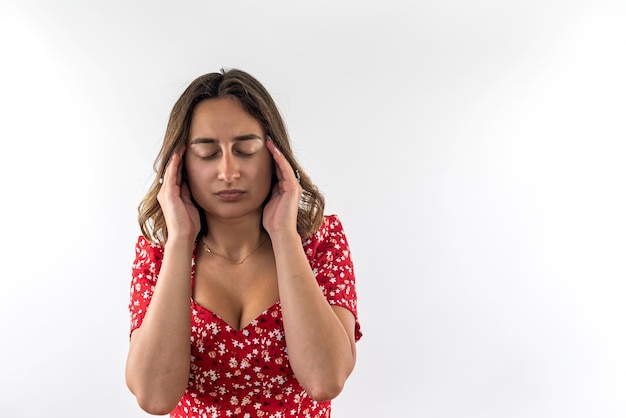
208 250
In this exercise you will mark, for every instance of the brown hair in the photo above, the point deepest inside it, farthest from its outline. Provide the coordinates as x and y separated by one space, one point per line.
260 105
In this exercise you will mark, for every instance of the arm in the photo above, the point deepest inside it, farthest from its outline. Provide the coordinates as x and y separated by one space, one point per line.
320 338
158 363
157 367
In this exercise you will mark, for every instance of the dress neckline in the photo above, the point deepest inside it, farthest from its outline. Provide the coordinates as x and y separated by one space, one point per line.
228 326
200 307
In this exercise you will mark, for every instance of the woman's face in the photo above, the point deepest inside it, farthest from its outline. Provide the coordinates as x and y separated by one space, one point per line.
229 168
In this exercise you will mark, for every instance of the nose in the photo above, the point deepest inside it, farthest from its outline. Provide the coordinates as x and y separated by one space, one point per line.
228 170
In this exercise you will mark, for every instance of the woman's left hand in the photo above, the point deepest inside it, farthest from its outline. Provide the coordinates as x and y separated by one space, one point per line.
281 211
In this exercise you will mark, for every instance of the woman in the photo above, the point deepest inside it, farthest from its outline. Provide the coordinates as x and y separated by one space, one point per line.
234 251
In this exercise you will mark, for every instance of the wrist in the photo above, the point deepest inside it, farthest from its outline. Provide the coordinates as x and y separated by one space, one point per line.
180 242
285 237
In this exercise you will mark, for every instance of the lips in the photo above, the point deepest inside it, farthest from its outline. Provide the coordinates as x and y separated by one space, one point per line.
230 195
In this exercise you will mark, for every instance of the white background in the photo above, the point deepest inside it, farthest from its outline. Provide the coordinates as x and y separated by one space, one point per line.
473 149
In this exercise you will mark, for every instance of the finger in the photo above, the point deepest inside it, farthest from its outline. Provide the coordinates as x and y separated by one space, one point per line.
276 154
185 193
171 170
179 172
283 168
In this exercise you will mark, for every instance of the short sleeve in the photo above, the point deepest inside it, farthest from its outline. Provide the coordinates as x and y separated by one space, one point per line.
145 270
331 261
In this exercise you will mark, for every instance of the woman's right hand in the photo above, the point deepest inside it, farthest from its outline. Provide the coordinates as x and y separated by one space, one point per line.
181 215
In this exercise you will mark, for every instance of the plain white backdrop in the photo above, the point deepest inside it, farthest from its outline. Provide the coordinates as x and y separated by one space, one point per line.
474 151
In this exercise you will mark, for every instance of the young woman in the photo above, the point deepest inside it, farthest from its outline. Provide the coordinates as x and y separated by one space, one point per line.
242 297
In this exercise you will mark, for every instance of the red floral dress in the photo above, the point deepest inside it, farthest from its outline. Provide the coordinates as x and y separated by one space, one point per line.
246 372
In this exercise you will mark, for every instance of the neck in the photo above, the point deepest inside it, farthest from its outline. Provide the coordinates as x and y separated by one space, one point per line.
234 238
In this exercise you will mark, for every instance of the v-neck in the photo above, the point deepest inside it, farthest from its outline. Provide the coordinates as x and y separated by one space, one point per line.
219 318
198 307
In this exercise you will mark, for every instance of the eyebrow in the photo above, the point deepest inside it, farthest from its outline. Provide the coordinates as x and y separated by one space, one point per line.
202 140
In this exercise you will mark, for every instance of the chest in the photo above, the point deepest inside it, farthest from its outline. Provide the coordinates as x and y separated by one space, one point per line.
236 293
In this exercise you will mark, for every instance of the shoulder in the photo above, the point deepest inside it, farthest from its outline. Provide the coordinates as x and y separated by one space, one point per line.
148 255
330 232
143 245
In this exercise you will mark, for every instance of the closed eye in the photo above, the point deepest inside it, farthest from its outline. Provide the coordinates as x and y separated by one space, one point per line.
244 154
209 157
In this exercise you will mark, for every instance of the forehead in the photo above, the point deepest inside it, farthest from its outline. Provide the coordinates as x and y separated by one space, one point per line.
222 116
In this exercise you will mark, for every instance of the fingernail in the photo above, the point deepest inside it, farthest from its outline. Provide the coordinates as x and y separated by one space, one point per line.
269 138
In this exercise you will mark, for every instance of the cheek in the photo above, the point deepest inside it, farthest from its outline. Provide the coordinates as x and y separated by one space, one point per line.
195 176
196 168
266 171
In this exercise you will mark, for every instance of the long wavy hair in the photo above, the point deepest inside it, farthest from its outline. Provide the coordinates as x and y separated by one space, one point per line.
260 105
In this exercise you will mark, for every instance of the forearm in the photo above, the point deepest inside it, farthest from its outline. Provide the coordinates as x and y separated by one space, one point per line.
157 369
321 350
